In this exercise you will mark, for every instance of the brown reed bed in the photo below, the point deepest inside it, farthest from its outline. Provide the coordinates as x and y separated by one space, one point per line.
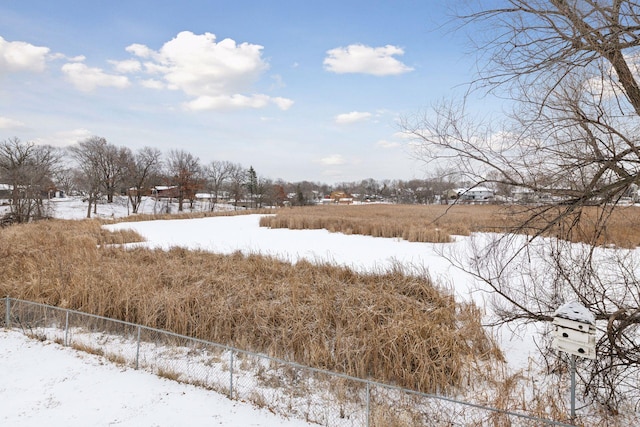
187 215
386 326
437 223
415 223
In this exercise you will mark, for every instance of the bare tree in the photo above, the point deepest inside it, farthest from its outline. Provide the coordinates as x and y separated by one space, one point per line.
114 166
185 173
142 169
268 193
63 178
264 192
237 180
217 173
573 140
88 176
28 169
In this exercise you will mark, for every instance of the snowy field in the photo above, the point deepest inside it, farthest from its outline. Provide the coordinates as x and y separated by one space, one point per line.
46 384
43 382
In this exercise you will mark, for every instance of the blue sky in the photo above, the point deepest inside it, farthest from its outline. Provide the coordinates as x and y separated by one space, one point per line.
299 90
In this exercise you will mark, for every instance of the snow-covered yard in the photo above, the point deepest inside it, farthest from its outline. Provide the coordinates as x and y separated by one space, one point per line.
68 377
46 384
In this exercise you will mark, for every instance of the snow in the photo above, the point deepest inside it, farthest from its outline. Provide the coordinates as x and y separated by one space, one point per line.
573 310
243 233
46 384
226 235
42 382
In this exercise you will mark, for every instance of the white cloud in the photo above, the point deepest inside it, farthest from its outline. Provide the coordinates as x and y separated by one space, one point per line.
358 58
7 123
153 84
66 138
236 101
282 103
225 102
79 58
127 66
500 141
22 56
218 74
198 65
335 159
352 117
88 78
139 50
387 144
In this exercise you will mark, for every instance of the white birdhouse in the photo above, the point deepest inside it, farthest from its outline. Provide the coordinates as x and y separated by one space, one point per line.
574 330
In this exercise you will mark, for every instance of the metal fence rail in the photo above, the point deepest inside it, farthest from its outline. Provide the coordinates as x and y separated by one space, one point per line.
318 396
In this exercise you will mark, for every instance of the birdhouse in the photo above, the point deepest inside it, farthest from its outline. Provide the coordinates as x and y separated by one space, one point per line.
574 330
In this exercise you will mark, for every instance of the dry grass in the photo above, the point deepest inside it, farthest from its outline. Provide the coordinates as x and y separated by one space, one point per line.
169 374
187 215
87 348
388 326
415 223
437 223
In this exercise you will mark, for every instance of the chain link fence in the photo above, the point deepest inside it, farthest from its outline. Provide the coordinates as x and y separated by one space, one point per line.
317 396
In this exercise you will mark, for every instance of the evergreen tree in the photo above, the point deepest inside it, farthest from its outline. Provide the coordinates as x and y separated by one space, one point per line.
252 185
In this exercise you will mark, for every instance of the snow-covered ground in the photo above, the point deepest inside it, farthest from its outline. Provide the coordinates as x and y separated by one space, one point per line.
46 384
43 382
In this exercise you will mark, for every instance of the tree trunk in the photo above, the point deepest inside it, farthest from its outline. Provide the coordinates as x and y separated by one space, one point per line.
89 200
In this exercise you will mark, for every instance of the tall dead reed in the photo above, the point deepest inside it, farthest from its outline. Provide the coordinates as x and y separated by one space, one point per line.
188 215
386 326
437 223
415 223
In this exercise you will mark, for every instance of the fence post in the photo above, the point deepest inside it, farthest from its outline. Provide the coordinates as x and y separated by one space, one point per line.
7 314
138 348
368 404
231 376
573 388
66 328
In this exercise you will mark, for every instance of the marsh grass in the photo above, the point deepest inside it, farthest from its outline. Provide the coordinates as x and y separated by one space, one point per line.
438 223
188 215
168 374
388 327
408 222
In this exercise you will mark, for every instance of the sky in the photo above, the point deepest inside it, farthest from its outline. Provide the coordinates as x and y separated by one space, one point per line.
298 90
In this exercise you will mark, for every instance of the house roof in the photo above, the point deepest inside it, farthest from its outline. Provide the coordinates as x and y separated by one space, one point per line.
473 190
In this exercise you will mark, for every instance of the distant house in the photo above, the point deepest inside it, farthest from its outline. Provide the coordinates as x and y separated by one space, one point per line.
165 192
133 192
475 194
471 195
211 197
5 191
338 197
50 192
